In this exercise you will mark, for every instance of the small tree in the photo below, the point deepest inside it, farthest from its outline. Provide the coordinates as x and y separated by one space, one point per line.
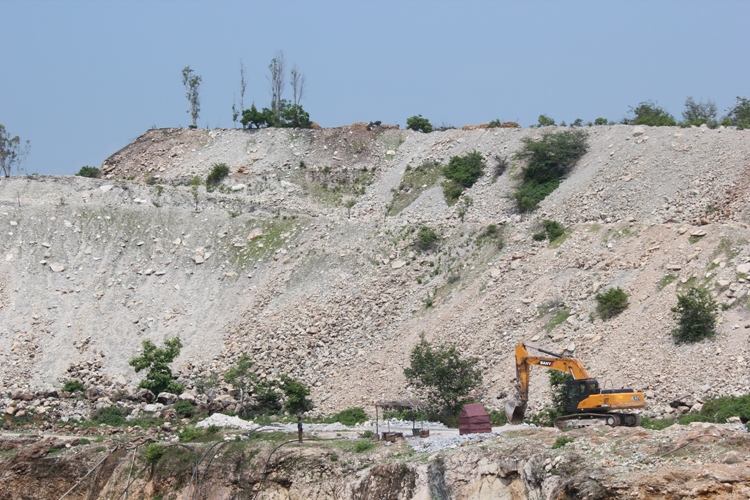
464 204
695 313
445 377
277 81
545 121
267 398
296 393
418 123
156 361
349 204
12 151
739 114
191 83
553 229
252 118
601 121
649 113
698 113
611 303
242 377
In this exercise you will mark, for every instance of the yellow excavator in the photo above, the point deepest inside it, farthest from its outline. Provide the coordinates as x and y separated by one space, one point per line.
586 403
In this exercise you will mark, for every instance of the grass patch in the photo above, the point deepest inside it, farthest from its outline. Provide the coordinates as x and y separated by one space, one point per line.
363 446
414 182
562 441
275 233
557 320
656 424
666 280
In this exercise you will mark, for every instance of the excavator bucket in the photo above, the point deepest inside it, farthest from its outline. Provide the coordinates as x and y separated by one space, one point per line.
515 411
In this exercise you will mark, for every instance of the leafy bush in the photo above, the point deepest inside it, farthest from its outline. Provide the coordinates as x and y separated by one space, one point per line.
699 113
562 441
553 229
426 238
350 416
418 123
548 160
558 382
443 375
611 303
156 361
73 386
189 433
153 453
498 418
296 395
218 173
739 114
501 165
87 171
601 121
212 429
465 170
545 121
649 113
185 409
695 314
720 409
242 377
110 415
267 398
363 446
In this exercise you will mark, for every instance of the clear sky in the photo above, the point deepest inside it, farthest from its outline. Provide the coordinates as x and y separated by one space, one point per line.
81 79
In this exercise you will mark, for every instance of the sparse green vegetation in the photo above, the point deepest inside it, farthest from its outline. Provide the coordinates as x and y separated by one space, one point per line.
548 160
414 182
649 113
350 416
153 453
426 239
87 171
110 415
557 320
218 173
666 280
739 114
611 303
363 446
562 441
695 314
73 386
184 409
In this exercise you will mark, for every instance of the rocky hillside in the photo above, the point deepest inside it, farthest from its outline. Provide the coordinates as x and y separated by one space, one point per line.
304 258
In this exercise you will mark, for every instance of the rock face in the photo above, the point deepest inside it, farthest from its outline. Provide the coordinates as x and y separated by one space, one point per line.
287 271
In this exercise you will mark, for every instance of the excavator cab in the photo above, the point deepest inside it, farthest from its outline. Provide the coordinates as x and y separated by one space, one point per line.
578 390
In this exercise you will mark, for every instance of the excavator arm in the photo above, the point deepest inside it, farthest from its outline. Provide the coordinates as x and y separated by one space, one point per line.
516 410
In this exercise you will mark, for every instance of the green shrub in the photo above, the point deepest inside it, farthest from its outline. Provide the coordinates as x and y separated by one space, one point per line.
110 415
426 238
267 398
212 429
562 441
611 303
649 113
545 121
368 434
73 386
189 433
739 114
498 418
539 236
88 171
452 191
363 446
601 121
153 453
350 416
501 165
465 170
218 173
185 409
695 313
699 113
720 409
553 229
418 123
548 160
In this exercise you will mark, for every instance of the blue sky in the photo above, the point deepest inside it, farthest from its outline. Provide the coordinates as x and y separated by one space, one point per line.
81 79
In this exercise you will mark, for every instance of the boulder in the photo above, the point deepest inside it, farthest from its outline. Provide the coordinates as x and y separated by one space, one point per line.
144 396
166 398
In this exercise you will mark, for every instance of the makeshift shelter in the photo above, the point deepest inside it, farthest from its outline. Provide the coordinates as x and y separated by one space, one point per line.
474 420
413 406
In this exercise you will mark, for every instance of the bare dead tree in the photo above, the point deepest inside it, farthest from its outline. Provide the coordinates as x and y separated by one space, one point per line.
243 86
277 81
298 84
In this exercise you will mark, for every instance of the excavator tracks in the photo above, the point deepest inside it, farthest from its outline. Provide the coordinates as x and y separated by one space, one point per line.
579 420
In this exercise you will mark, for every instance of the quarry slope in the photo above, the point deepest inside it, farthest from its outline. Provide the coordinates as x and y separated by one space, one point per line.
274 264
